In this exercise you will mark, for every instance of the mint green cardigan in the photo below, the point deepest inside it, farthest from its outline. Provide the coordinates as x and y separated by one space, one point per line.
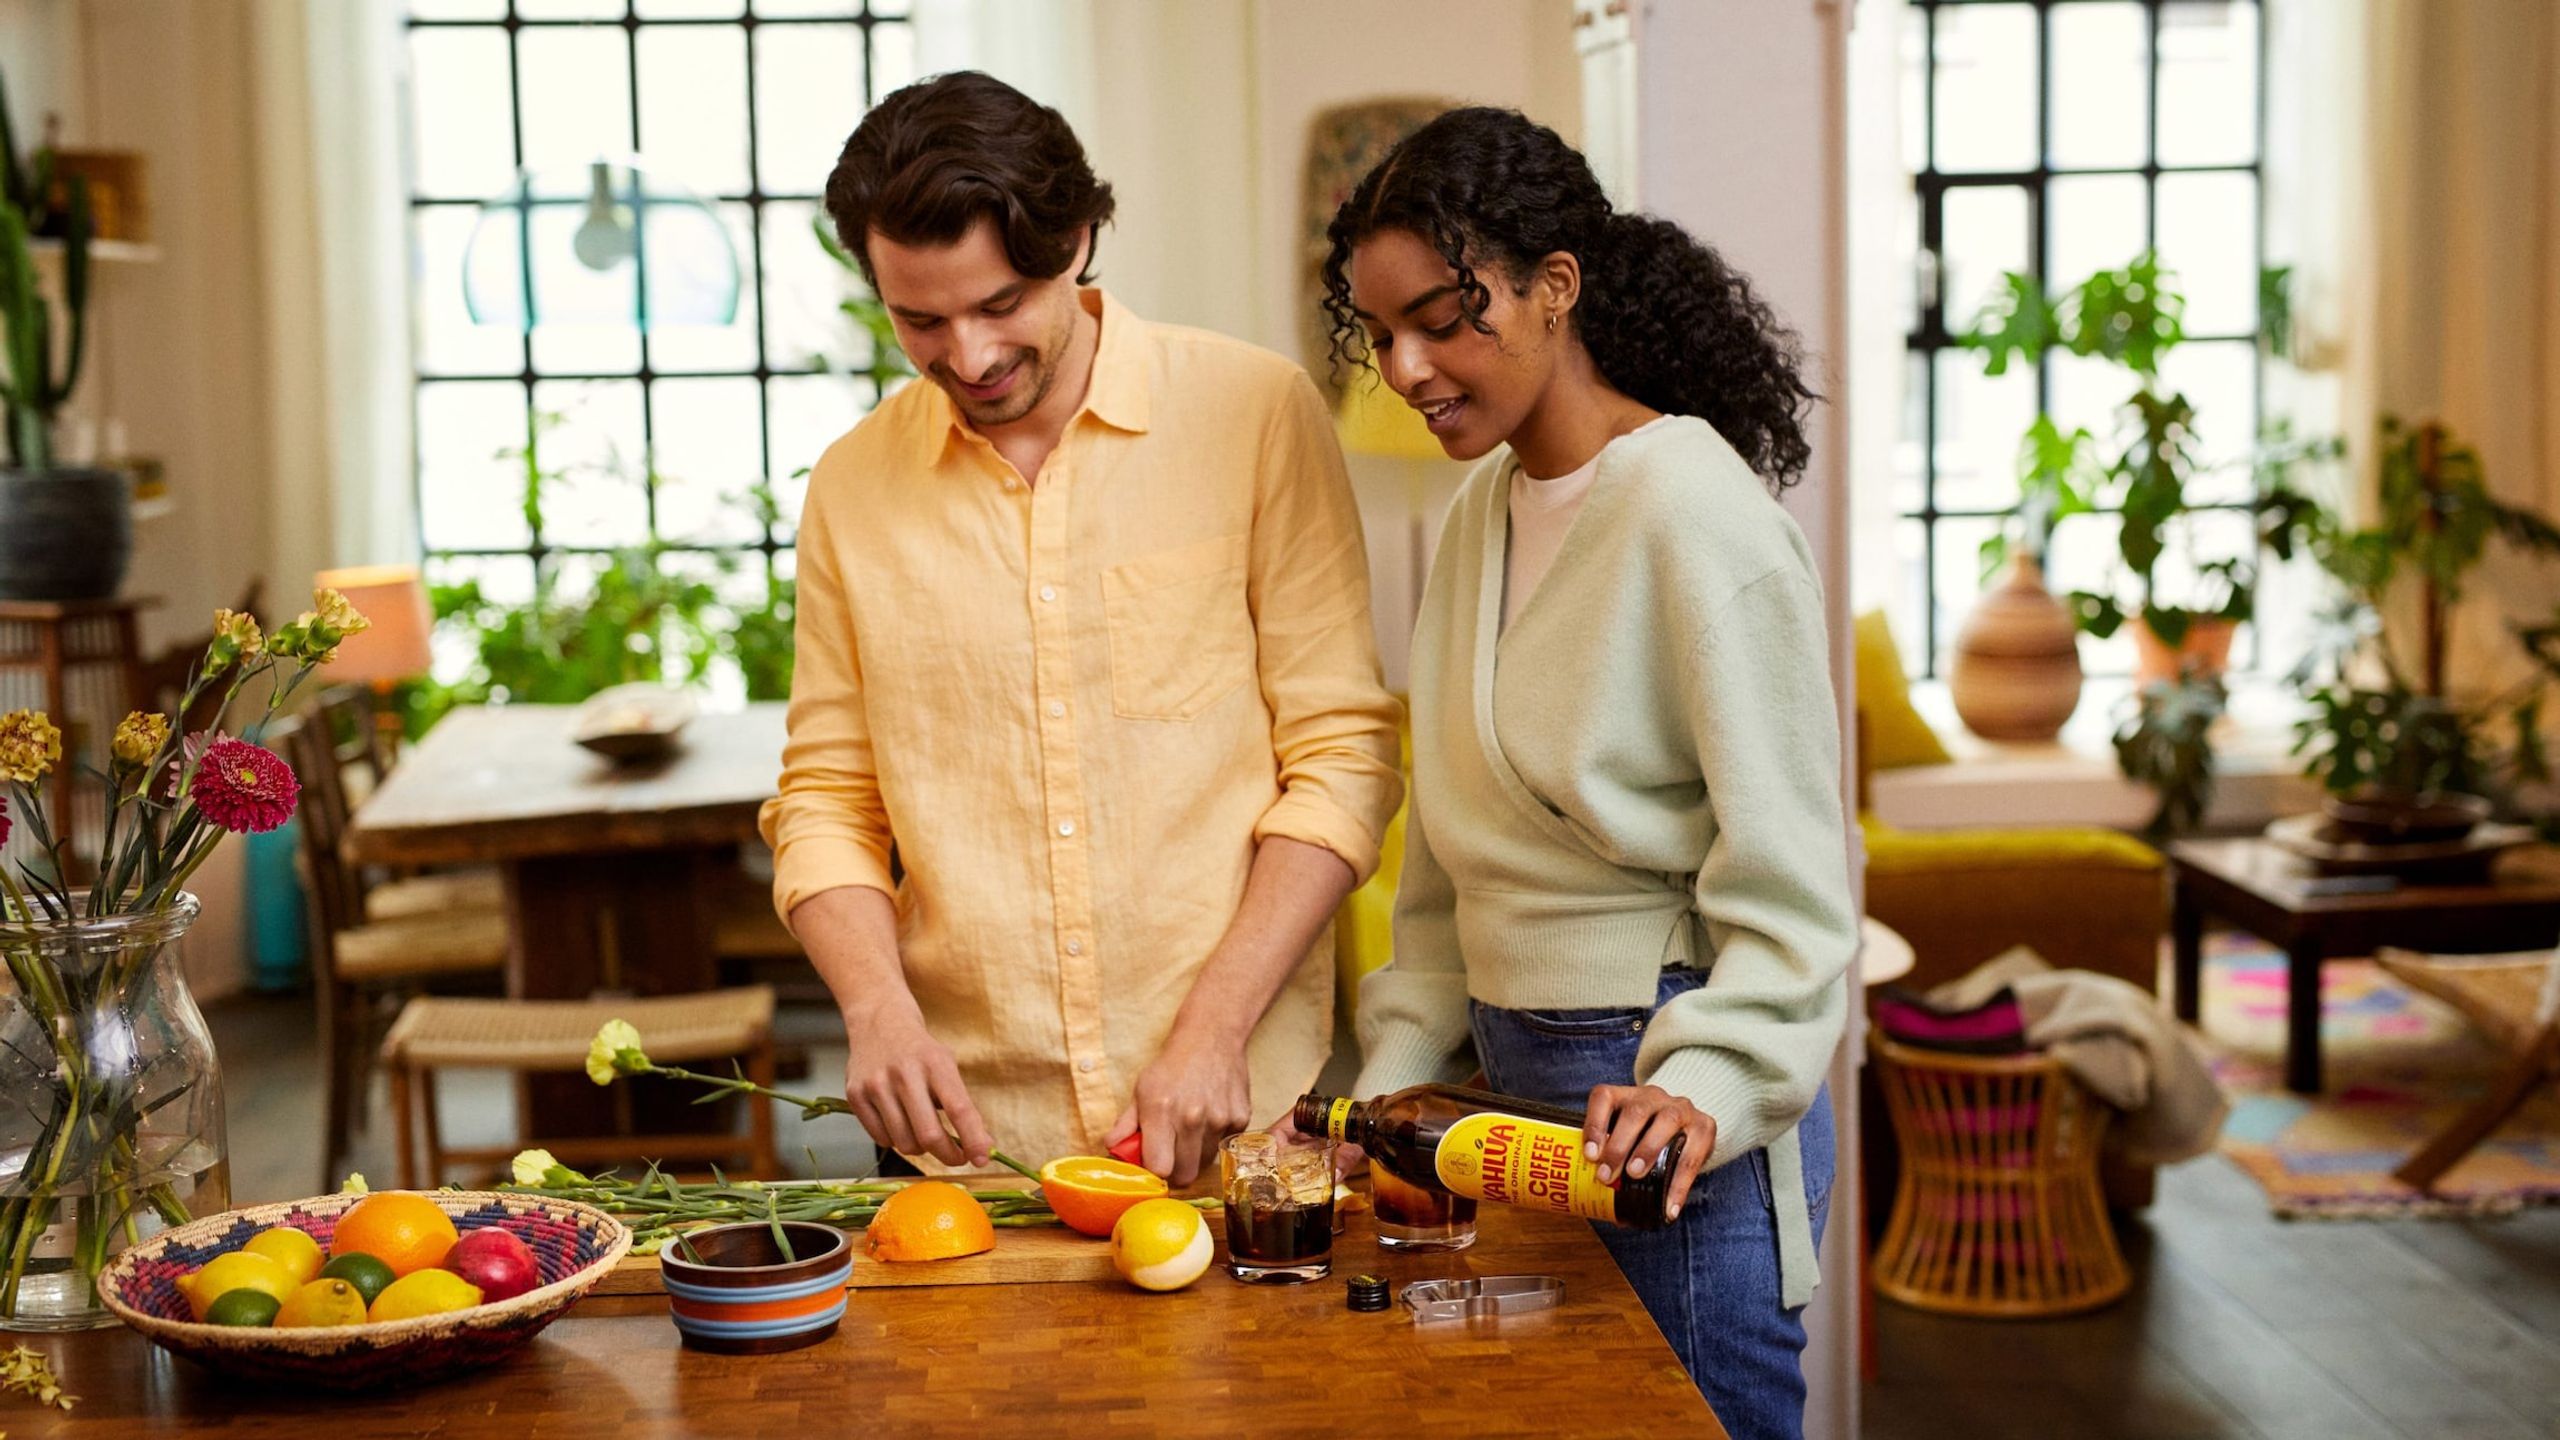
1642 772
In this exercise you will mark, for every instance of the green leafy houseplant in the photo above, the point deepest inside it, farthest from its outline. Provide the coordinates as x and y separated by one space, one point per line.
2379 727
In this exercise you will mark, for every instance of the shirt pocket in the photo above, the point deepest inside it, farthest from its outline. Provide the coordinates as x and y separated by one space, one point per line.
1181 632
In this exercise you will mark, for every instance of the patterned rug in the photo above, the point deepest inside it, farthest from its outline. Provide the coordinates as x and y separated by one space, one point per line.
2399 1065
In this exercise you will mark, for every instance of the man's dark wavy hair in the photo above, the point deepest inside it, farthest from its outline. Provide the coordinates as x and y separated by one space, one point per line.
934 156
1665 318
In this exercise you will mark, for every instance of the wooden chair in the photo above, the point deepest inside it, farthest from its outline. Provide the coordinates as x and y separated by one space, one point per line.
2515 1001
365 753
435 1033
1997 1212
359 963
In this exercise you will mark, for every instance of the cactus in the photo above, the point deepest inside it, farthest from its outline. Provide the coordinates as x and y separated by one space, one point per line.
35 390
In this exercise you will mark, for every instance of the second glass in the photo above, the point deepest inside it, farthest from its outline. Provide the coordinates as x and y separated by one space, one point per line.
1412 1218
1279 1202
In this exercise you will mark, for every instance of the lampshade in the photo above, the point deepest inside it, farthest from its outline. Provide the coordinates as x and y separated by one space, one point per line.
1374 420
604 243
395 646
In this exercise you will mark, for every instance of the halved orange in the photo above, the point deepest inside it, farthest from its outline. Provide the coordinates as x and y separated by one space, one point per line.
1089 1192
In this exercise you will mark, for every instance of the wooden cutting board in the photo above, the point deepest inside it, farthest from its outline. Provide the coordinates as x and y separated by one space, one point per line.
1031 1255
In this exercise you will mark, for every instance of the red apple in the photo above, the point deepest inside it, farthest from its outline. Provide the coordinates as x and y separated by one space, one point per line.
496 1261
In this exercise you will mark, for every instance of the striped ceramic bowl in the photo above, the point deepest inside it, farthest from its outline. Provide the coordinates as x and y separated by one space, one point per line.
738 1295
573 1246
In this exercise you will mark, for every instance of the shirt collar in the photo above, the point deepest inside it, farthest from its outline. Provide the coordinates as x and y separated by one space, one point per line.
1116 393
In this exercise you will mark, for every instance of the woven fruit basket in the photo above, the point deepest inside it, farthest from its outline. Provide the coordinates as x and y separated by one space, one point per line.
573 1245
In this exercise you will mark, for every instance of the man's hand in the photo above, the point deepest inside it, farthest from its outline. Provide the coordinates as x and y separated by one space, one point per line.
901 1081
1628 1126
1196 1093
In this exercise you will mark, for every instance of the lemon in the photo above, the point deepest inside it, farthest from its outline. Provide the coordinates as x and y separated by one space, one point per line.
425 1292
322 1303
293 1249
1161 1245
238 1270
253 1308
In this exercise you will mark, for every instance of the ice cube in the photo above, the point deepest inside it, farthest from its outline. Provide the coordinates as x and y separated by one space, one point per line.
1308 1175
1265 1193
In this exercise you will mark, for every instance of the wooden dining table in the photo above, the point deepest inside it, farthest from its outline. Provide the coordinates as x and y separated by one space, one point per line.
612 868
1220 1359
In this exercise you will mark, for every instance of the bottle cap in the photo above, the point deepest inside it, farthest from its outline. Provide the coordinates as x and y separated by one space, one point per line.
1366 1292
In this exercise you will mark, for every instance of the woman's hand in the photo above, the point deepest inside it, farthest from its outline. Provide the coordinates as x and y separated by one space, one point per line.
1639 1121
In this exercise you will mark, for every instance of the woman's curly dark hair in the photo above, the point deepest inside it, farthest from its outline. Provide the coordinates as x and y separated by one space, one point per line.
1668 322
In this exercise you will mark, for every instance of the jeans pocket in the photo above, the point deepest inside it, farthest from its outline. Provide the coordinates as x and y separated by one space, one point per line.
1604 1024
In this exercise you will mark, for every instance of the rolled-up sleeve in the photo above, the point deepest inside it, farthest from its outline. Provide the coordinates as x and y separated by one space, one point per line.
827 826
1333 724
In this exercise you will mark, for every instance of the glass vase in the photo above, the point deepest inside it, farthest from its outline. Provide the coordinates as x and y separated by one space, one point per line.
111 1123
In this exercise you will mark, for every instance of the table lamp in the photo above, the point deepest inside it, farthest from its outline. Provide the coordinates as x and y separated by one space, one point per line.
394 648
1374 420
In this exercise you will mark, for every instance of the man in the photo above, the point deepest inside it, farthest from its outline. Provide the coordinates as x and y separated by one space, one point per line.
1084 643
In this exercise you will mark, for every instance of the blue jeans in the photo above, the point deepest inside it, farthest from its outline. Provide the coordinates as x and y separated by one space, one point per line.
1710 1279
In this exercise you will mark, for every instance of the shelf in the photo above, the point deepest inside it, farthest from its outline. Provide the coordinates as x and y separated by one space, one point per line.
109 252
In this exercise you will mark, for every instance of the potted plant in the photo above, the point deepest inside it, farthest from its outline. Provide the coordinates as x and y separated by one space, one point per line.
66 532
2401 757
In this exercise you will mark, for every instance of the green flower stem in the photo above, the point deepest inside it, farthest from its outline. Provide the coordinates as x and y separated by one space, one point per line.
811 1107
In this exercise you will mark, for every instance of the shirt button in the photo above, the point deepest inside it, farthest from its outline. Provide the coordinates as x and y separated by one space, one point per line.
1056 709
1075 947
1048 592
1066 827
1084 1067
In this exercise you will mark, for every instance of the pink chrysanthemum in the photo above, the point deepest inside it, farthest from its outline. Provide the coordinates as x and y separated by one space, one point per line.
243 788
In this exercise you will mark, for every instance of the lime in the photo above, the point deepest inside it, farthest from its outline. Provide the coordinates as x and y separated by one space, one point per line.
293 1249
320 1304
370 1276
425 1292
254 1308
237 1270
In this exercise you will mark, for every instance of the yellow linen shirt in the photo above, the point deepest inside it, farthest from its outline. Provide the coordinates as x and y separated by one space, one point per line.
1074 707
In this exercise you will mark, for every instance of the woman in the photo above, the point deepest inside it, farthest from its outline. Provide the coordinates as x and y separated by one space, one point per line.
1625 877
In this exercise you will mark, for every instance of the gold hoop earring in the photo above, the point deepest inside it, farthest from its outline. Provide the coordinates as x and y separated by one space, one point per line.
1551 322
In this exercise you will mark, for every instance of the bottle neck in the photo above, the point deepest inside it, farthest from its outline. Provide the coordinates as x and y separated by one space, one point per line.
1345 1121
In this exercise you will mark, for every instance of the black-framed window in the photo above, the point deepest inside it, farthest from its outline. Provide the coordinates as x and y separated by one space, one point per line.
745 102
2058 138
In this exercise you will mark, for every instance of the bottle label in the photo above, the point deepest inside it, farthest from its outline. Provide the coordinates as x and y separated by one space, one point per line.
1535 1164
1336 1119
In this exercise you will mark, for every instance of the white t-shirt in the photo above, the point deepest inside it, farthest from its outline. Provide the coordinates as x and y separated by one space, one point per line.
1541 512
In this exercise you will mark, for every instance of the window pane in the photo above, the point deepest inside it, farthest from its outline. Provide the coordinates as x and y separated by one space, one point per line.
2209 236
893 58
808 414
714 347
2208 84
576 87
2216 379
584 317
709 453
2100 85
1912 445
593 462
1959 577
1909 608
2084 558
1985 231
790 8
1915 90
569 9
458 124
1986 100
1981 418
503 580
2087 393
693 105
808 99
2092 223
689 9
449 343
470 492
803 286
458 9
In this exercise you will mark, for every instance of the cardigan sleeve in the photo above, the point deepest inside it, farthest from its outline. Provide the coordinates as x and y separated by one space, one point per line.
1413 1020
1751 1046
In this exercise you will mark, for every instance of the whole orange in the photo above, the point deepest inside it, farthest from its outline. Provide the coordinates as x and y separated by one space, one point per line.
930 1220
402 1229
1090 1192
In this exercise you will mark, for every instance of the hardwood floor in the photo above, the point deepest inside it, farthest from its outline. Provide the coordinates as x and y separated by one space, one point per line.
2239 1325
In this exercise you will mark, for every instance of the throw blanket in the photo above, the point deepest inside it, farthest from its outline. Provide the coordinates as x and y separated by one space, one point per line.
2114 1038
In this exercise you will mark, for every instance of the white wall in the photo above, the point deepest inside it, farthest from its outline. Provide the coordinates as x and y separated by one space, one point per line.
1741 136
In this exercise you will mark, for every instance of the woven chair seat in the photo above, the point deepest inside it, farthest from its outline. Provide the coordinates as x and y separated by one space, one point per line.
437 1031
2498 993
382 951
437 894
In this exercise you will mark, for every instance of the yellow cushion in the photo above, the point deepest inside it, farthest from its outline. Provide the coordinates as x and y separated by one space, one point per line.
1896 735
1925 852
